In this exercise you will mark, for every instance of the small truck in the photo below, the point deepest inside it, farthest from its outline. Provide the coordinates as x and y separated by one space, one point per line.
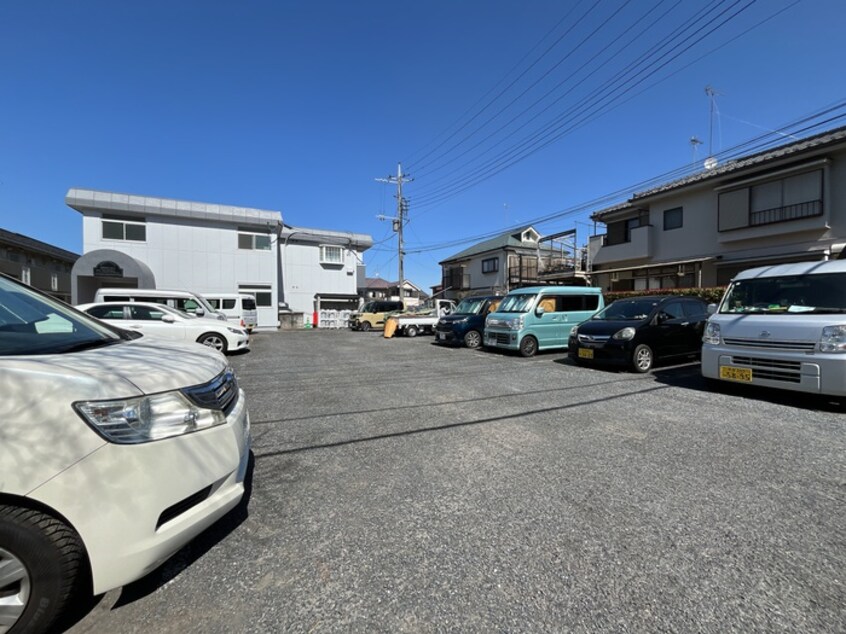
421 319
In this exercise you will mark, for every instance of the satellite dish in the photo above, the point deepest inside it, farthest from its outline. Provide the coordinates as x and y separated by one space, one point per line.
710 163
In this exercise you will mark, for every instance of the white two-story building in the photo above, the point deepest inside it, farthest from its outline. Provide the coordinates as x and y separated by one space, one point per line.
147 242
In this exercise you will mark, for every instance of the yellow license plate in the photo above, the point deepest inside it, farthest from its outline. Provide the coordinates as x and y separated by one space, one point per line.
585 353
736 374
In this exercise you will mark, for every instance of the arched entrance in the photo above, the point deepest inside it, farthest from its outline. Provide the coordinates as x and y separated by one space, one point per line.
107 268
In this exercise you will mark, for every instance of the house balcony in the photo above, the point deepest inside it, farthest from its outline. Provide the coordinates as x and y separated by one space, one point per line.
638 247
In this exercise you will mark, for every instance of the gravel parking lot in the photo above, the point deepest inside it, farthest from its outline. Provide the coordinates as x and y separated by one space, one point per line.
401 487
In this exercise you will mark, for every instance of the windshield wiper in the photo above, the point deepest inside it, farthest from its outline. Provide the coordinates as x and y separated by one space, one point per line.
821 310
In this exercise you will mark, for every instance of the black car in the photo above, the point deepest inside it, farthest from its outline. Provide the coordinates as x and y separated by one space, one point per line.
638 331
466 324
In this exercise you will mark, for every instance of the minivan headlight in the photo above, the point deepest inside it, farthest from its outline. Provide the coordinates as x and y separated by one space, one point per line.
517 323
712 333
131 421
833 339
626 334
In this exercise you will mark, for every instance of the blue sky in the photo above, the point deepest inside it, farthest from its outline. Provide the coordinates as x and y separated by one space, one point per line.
299 107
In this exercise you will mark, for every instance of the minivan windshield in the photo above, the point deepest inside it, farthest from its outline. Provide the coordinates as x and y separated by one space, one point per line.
627 310
470 306
31 323
517 303
788 295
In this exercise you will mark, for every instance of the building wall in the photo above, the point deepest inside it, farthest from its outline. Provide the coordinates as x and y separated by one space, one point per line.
303 275
805 238
198 256
40 271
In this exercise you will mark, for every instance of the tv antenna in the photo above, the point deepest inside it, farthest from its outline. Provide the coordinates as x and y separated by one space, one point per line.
711 162
694 145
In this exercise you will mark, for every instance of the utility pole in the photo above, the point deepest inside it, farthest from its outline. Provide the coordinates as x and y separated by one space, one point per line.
400 219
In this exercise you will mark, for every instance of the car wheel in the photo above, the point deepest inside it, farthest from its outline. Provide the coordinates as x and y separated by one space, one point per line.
411 331
528 346
364 326
642 358
214 340
41 566
473 339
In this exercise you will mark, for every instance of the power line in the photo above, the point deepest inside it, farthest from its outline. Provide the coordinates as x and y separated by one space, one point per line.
565 124
569 120
492 88
759 143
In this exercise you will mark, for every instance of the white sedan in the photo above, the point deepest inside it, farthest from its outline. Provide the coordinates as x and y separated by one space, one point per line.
163 322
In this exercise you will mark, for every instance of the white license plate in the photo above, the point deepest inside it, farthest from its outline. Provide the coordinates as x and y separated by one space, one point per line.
441 336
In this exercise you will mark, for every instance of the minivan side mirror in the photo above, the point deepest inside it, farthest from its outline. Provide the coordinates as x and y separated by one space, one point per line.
712 308
168 319
199 312
540 310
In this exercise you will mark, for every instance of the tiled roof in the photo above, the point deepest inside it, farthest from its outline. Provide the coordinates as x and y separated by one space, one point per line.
508 239
31 244
783 151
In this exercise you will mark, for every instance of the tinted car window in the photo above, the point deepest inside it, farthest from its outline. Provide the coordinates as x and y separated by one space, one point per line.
106 312
695 309
228 304
673 310
568 303
146 313
248 303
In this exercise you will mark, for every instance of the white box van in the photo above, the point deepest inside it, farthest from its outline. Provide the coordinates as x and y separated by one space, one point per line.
781 326
116 451
186 301
238 307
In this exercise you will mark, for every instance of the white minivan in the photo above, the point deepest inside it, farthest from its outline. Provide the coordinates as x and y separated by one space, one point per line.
115 451
186 301
238 307
781 326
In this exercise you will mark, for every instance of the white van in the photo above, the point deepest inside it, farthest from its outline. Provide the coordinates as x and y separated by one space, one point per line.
186 301
117 450
781 326
238 307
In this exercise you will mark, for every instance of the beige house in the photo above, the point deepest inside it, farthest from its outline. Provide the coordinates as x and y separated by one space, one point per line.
514 259
786 204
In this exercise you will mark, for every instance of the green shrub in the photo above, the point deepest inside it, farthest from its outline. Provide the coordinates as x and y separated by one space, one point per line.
712 294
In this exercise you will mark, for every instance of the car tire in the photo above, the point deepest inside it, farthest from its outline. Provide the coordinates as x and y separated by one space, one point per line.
642 359
214 340
411 331
528 346
43 562
364 326
473 339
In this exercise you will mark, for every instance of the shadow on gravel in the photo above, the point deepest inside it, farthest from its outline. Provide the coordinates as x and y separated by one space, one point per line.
695 381
192 551
469 423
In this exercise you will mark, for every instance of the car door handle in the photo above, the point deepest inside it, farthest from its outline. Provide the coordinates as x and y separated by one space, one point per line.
684 323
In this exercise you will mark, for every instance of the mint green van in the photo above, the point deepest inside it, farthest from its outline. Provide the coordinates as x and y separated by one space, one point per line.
540 317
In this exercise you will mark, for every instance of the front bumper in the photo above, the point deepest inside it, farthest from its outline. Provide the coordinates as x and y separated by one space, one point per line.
136 505
502 338
241 343
608 352
810 372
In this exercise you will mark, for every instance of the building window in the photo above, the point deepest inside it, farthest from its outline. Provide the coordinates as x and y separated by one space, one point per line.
790 198
673 219
491 265
620 231
115 229
330 254
263 295
254 241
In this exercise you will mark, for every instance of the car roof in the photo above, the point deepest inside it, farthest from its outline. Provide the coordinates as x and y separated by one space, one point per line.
657 298
564 290
817 267
120 303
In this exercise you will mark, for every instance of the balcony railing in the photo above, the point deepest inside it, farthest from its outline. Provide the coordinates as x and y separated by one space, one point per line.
789 212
